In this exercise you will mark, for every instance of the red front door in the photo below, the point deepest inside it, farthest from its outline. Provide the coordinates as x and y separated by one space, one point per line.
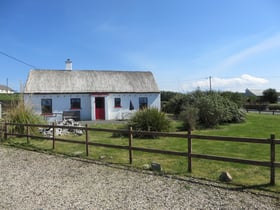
99 108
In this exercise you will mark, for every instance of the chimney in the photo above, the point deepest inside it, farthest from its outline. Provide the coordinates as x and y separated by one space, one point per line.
68 65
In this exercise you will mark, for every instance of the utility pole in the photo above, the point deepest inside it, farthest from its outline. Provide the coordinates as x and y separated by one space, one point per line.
210 83
7 84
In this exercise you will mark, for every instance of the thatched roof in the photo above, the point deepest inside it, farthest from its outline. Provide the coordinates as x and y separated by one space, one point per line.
90 81
4 88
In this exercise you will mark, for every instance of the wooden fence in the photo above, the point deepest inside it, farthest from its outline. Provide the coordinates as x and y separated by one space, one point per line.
272 164
273 112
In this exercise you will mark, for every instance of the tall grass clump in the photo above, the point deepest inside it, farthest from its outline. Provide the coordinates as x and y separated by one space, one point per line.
150 120
22 114
189 117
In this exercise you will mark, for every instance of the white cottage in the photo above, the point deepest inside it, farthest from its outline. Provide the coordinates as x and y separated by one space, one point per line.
90 94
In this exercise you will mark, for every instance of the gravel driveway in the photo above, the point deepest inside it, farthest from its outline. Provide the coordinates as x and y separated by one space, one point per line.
31 180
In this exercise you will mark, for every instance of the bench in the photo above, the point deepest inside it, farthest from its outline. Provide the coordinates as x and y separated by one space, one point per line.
75 115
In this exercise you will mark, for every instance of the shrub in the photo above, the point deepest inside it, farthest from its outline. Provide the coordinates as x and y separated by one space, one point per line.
274 107
189 117
209 111
238 98
150 120
215 109
176 104
22 115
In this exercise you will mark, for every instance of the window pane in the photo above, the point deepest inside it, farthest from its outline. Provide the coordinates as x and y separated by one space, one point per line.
131 106
46 106
143 102
75 103
117 102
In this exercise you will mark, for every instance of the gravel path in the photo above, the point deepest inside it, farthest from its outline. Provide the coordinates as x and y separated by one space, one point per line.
31 180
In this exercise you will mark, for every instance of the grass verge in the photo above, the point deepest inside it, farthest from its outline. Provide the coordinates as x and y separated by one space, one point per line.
256 126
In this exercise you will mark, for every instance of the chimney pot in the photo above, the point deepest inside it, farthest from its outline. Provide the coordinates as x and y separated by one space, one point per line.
68 65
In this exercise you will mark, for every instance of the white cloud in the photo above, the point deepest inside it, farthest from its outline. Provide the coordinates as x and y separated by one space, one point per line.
261 47
232 84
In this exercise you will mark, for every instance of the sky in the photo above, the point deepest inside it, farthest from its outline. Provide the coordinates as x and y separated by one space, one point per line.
228 45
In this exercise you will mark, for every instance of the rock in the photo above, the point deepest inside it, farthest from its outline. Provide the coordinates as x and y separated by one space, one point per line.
146 167
78 132
102 157
63 131
155 166
225 177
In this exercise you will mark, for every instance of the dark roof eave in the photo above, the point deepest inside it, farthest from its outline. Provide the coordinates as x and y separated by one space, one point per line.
91 92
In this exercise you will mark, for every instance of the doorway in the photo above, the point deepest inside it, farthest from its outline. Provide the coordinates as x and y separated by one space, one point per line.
99 108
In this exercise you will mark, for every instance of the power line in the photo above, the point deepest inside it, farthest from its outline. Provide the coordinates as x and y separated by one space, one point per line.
18 60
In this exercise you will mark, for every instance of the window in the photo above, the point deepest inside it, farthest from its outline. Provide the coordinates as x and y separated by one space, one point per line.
131 106
117 102
143 102
75 103
46 106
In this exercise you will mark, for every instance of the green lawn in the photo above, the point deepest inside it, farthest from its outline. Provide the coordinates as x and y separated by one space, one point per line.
257 126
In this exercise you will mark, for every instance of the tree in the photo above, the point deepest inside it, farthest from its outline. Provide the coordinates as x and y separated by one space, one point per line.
270 95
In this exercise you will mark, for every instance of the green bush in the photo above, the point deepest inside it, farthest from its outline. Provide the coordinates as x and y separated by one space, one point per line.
189 117
274 107
238 98
176 104
209 111
22 115
215 109
206 109
150 120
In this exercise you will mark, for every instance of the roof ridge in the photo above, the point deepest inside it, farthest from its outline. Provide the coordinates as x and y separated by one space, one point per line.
96 70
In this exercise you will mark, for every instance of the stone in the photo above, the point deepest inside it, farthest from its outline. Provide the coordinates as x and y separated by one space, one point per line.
146 167
155 166
63 131
225 177
78 132
102 157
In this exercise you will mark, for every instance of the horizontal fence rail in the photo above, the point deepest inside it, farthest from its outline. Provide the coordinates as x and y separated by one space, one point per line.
7 130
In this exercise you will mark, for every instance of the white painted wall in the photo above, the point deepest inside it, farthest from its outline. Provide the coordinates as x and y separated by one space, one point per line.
118 112
61 102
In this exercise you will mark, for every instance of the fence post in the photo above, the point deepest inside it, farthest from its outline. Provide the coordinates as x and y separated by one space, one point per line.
272 159
28 133
189 152
86 139
5 131
53 137
130 145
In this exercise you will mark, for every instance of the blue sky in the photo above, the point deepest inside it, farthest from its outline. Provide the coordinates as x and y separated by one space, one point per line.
183 42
